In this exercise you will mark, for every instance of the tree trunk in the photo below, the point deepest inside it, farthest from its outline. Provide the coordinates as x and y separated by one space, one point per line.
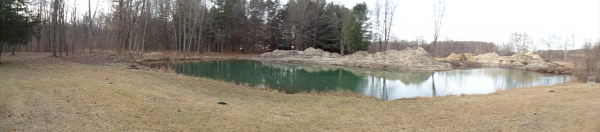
135 43
106 44
60 32
342 41
200 37
566 53
433 85
66 48
145 25
434 46
120 42
189 43
55 27
14 47
1 45
89 41
38 44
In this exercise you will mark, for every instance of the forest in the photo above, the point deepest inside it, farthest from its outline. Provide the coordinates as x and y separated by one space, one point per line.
196 26
135 27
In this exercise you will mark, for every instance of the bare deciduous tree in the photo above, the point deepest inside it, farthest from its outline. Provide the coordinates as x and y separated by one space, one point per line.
376 13
439 8
55 8
89 32
521 41
390 9
383 20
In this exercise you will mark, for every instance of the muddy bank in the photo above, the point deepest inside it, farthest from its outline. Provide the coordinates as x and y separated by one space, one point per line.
522 60
409 59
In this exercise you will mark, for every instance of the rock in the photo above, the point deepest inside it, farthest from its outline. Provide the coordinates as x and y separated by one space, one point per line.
132 67
413 59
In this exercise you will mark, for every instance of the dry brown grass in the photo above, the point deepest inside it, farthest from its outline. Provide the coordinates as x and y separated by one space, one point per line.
39 93
580 69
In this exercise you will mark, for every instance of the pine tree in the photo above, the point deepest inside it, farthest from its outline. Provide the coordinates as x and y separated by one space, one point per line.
16 23
358 37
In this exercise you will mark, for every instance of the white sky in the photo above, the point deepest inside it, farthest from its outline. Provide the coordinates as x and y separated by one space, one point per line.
483 20
496 20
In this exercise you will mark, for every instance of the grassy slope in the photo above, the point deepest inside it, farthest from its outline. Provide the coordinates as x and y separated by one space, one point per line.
40 93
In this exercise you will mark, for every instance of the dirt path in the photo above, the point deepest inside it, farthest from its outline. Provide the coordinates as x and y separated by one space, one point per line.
41 93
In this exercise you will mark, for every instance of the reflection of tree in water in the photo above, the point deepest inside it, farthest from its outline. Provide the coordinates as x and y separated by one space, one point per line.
251 73
375 86
512 78
416 78
433 85
372 79
504 78
405 77
293 78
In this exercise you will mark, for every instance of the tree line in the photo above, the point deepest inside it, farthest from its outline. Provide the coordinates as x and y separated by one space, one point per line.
132 27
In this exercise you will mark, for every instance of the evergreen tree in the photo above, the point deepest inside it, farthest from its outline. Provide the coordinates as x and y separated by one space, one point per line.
274 25
16 23
343 29
329 38
358 37
228 24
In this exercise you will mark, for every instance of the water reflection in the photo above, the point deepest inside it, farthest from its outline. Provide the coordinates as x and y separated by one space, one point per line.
388 85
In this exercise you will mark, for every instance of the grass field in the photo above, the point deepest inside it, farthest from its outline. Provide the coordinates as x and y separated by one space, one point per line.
42 93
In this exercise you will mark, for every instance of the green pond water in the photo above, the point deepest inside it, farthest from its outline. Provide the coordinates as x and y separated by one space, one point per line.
387 85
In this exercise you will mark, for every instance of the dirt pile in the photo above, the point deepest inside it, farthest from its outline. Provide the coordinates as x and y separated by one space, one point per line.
487 58
308 53
410 59
280 53
522 60
460 57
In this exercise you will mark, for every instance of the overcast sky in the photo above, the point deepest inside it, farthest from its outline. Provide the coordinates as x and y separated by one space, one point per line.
495 20
486 20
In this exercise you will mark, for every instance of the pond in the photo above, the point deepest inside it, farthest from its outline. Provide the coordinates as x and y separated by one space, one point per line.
387 85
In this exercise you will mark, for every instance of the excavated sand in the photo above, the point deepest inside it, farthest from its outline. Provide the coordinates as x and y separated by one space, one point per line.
522 60
409 59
